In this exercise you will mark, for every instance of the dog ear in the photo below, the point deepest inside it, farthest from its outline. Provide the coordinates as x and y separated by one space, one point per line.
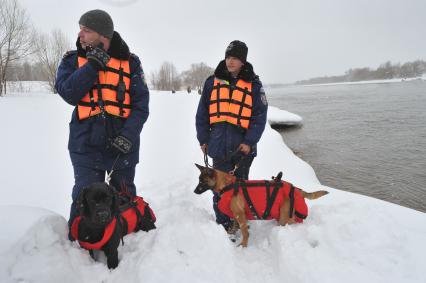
200 167
82 202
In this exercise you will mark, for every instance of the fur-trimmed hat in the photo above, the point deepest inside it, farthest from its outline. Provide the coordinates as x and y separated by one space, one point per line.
237 49
99 21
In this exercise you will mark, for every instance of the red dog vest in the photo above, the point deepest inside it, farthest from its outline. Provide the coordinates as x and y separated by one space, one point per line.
263 199
130 216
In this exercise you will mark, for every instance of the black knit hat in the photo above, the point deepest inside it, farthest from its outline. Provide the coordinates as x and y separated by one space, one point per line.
98 21
237 49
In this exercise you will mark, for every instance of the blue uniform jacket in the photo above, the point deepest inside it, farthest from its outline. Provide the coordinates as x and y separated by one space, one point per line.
224 138
89 139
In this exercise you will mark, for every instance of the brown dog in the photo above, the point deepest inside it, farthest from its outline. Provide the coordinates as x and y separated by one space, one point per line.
255 200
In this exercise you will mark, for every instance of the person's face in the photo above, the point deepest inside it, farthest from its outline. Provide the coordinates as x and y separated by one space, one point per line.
88 37
233 64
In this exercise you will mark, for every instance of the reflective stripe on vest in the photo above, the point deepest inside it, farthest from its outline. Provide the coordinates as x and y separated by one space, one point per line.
107 84
232 104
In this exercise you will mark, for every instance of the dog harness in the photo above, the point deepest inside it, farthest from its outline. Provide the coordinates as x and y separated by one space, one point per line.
231 103
131 219
263 199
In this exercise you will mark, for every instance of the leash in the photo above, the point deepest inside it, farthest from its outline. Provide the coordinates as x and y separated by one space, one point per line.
236 166
108 178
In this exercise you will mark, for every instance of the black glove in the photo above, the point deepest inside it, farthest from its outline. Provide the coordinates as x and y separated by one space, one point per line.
97 57
121 144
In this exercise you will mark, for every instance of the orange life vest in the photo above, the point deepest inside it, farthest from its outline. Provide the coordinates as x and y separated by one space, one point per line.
232 104
263 199
108 93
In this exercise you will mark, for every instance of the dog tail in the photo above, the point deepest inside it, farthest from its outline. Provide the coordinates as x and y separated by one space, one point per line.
313 195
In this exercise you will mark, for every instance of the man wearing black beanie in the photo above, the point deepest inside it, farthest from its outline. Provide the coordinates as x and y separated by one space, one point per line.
105 83
231 117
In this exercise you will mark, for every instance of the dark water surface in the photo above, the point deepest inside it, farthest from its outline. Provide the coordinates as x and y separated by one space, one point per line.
366 138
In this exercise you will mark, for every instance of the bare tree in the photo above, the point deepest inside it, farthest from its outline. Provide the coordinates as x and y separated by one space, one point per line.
196 75
154 80
16 37
49 52
167 77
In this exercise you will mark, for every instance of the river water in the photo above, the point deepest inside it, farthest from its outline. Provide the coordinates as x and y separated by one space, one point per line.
363 138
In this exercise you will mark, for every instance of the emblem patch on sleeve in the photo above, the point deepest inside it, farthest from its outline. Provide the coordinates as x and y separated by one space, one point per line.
263 96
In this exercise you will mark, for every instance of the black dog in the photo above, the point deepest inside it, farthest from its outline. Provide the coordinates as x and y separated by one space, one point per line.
105 218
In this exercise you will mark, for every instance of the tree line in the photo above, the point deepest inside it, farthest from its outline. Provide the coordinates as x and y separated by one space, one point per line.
383 72
29 55
167 77
25 53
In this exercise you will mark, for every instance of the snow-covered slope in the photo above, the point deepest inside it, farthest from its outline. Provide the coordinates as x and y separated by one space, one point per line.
346 238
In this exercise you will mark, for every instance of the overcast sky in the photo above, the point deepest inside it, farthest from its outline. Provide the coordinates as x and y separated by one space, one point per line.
288 40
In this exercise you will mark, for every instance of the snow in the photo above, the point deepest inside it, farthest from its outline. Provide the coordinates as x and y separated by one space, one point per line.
279 117
346 238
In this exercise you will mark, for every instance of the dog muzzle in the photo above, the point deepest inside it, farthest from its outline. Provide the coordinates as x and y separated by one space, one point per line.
201 189
103 216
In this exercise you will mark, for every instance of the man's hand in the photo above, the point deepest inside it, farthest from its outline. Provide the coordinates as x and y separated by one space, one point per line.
121 144
244 148
204 148
97 57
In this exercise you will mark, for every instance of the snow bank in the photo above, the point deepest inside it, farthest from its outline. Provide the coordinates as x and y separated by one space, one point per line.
280 118
346 238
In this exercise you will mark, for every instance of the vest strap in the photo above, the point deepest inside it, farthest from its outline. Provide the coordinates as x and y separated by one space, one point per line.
108 86
109 69
231 101
219 86
248 199
241 106
124 225
92 100
270 199
231 115
291 196
106 102
121 91
218 100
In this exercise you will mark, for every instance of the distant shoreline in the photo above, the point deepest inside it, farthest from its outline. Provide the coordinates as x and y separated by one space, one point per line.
396 80
399 80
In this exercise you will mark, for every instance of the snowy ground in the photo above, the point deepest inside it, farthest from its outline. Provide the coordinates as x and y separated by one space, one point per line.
346 238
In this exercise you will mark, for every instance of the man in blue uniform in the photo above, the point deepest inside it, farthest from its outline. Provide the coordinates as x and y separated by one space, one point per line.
231 116
105 83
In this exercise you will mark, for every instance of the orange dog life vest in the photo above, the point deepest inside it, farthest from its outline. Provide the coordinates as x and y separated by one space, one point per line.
129 218
111 92
232 104
263 199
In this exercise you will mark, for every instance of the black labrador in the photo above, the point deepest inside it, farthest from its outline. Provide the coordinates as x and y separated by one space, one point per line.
101 226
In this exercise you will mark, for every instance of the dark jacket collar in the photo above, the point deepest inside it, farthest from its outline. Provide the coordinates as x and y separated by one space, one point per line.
118 48
247 74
